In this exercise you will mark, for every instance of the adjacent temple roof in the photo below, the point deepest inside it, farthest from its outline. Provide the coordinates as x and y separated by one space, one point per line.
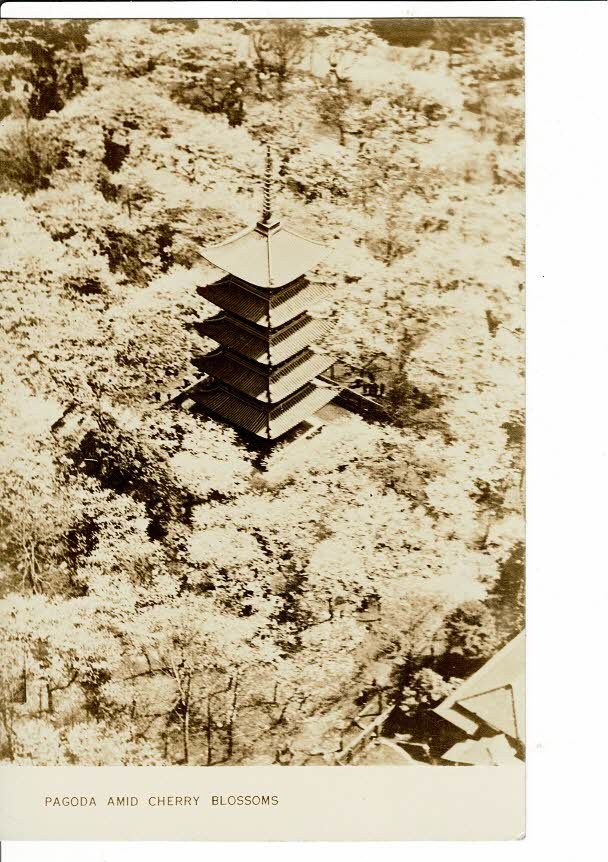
493 696
267 255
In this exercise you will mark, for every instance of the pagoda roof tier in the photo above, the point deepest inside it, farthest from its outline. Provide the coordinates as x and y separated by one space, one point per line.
251 379
267 348
257 418
267 255
272 309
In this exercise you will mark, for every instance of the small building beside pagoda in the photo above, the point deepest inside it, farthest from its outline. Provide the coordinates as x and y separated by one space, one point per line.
264 376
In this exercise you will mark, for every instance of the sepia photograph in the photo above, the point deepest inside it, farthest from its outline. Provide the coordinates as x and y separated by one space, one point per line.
262 411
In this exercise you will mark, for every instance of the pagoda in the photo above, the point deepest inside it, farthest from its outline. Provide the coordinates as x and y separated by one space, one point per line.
263 378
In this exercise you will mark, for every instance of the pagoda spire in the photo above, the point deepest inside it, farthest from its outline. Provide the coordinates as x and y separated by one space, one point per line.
268 222
267 185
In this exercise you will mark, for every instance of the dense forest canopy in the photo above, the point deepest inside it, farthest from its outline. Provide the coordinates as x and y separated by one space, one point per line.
165 600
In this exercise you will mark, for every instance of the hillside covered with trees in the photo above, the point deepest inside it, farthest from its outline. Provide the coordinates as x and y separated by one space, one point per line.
165 597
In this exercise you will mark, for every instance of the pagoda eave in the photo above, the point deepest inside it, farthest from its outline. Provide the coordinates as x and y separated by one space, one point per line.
262 421
253 380
266 348
266 259
264 308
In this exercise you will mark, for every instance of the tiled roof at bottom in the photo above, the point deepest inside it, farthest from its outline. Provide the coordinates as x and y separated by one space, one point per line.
494 694
256 418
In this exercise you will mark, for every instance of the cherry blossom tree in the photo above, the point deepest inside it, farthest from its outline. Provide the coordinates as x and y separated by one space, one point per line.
168 594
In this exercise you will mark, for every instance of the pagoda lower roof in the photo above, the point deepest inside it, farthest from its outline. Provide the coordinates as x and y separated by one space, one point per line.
259 419
263 346
256 382
274 308
266 255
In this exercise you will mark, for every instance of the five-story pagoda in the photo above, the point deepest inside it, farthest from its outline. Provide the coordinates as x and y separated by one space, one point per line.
264 376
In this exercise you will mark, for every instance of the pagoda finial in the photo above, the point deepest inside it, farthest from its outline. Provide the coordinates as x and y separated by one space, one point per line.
267 204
